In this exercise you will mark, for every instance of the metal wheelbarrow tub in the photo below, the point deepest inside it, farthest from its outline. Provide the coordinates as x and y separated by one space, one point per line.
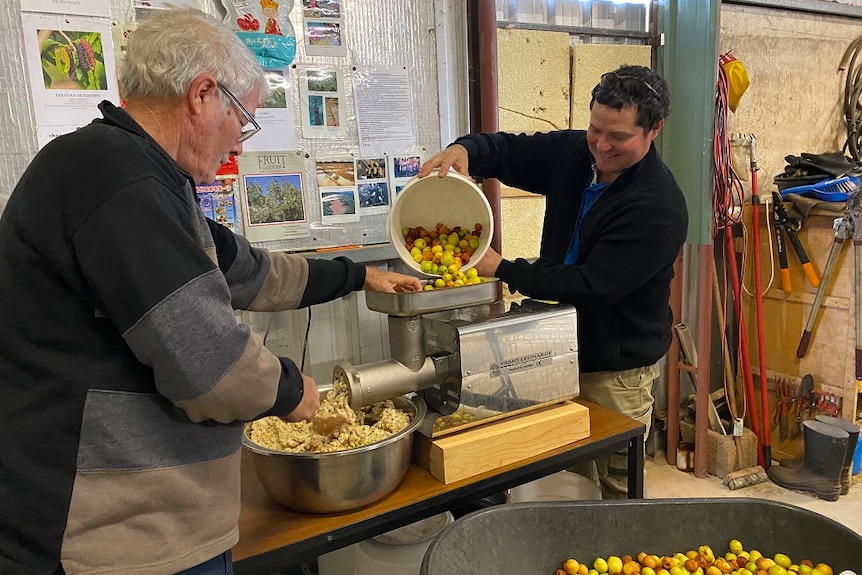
535 538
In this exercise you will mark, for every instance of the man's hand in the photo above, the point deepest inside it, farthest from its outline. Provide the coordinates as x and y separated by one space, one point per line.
487 266
389 282
309 404
455 156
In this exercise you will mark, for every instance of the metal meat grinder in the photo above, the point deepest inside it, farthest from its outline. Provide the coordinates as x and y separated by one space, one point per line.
471 358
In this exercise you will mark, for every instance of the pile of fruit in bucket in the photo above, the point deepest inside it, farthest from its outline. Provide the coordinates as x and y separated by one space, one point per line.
443 252
737 561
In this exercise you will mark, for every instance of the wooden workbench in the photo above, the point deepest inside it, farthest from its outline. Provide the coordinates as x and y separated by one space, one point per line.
273 537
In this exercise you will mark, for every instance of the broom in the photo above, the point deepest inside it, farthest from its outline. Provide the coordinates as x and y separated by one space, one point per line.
749 475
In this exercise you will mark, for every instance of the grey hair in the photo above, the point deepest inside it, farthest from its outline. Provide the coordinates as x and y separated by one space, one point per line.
170 49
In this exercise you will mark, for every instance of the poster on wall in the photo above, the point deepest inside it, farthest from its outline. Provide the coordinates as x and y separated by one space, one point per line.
69 7
336 181
275 116
70 61
384 116
402 168
218 201
273 196
321 99
372 186
323 26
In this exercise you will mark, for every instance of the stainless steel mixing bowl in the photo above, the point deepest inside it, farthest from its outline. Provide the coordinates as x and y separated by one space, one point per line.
341 480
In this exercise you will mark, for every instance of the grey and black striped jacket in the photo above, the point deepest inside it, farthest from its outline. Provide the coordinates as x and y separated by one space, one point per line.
124 375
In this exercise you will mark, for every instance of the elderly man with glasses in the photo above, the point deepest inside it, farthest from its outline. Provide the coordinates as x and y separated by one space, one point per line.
125 376
615 220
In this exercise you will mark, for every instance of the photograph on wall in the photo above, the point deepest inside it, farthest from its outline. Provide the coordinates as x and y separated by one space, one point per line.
275 116
323 23
372 185
273 196
321 8
321 95
70 62
384 113
403 168
336 182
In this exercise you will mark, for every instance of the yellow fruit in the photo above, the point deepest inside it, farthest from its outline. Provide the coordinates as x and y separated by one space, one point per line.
705 551
631 568
783 560
735 546
615 565
600 565
571 567
777 569
824 568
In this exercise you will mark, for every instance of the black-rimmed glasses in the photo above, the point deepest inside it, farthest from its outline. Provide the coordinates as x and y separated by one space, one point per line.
610 79
250 127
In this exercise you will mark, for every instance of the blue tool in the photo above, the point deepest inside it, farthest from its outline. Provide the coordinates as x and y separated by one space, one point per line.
830 190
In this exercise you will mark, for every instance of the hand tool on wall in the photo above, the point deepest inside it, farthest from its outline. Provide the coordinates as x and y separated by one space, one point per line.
785 226
758 304
846 227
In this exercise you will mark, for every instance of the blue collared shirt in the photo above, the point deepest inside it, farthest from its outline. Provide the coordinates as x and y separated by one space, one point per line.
591 194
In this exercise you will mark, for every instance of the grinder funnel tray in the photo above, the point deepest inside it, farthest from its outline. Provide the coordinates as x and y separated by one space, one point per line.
407 304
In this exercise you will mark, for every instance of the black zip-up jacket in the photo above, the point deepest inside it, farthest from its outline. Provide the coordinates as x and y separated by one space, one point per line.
629 239
124 374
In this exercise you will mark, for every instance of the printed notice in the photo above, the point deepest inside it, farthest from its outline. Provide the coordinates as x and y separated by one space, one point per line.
383 112
69 7
70 62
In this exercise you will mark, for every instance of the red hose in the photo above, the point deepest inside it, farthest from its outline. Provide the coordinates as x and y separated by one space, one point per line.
747 379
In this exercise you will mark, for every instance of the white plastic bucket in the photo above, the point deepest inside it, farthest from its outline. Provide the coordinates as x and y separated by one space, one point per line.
453 200
562 486
399 552
339 562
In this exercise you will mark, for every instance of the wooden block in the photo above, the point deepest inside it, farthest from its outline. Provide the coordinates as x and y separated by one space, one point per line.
473 451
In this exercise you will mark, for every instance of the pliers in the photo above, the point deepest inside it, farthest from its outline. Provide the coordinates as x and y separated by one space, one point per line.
784 225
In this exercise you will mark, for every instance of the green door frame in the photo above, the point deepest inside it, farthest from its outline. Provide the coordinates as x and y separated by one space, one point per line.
689 60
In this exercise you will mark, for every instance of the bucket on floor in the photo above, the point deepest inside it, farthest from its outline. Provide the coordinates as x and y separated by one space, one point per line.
562 486
339 562
399 552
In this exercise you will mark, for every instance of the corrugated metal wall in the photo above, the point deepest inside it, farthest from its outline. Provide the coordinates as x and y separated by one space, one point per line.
378 32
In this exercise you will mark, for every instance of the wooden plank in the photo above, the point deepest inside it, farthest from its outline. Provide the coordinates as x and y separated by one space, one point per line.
473 451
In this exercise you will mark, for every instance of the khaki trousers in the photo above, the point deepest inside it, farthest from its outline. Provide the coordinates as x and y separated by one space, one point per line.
627 392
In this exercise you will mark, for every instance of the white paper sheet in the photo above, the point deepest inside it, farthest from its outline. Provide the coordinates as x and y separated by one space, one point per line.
278 130
273 196
384 115
339 199
60 48
69 7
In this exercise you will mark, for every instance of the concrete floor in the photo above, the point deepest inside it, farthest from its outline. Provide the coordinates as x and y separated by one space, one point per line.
664 481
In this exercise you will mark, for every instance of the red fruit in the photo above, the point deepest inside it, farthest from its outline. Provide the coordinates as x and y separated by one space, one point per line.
243 23
255 25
